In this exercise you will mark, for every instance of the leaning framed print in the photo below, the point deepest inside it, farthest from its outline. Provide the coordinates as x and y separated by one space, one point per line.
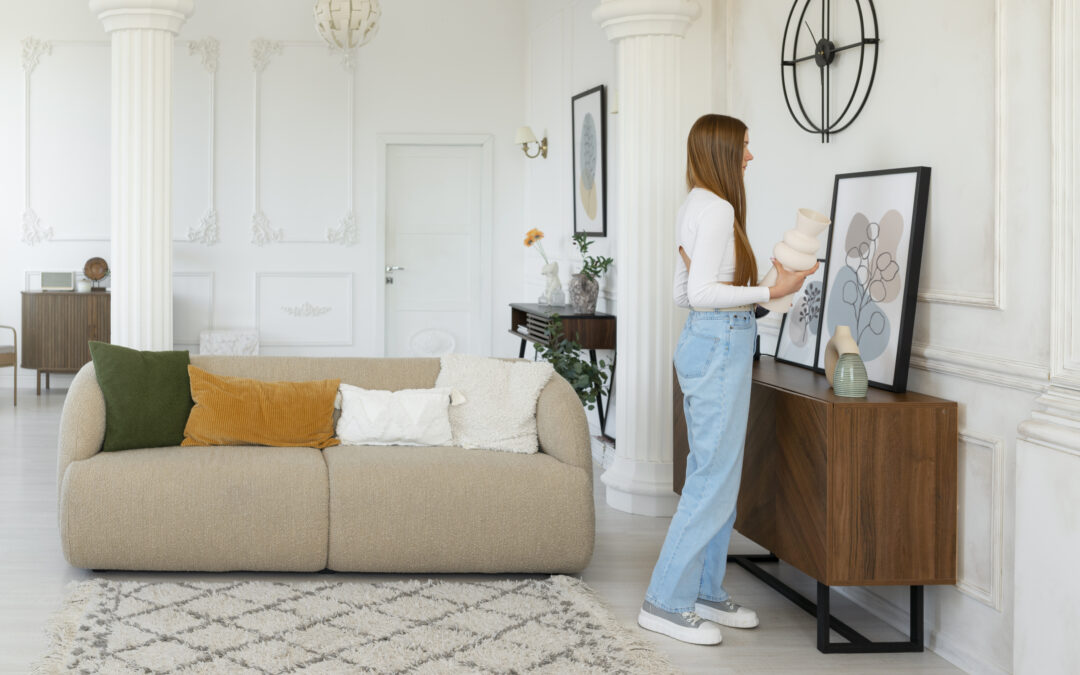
800 329
589 152
872 273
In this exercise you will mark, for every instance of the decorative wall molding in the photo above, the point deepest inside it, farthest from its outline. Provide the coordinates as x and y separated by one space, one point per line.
33 230
262 231
991 596
304 309
996 298
191 337
1065 188
206 231
996 370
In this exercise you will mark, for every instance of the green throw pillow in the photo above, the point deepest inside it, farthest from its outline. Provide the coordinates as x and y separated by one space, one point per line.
147 396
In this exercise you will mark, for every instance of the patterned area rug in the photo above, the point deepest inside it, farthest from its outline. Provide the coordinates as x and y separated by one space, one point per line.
553 625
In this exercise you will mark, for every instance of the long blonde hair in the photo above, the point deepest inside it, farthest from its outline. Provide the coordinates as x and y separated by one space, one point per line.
714 162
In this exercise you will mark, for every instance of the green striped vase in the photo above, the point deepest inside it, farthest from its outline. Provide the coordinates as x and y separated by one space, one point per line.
849 378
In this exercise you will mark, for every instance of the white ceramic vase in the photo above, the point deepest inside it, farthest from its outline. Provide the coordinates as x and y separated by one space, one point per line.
842 342
553 293
797 253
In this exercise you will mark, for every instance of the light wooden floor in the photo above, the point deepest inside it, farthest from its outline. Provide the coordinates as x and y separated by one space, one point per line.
33 573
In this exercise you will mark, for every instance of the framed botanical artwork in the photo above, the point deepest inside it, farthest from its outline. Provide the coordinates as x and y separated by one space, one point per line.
800 330
589 112
872 273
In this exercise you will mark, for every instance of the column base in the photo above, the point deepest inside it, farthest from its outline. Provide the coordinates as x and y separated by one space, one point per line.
641 488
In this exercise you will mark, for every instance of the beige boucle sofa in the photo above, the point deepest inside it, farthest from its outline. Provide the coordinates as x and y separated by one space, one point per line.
346 508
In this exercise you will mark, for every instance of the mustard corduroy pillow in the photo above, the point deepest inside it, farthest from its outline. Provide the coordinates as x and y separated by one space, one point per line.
239 411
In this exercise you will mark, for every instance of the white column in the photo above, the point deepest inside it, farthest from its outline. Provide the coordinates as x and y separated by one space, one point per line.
142 32
1047 589
648 34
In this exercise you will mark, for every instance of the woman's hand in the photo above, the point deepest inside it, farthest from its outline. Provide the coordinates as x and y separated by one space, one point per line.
788 282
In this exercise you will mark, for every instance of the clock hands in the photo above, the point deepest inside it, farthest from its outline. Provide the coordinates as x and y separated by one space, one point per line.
868 41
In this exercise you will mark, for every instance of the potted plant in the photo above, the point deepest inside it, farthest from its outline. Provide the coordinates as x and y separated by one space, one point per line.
587 379
585 286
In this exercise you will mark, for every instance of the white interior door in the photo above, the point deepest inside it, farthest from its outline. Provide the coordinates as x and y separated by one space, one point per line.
436 276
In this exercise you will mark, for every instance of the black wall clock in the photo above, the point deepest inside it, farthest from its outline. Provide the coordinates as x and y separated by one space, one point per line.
811 45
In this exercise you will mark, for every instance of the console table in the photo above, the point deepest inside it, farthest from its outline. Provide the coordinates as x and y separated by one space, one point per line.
850 491
529 322
56 328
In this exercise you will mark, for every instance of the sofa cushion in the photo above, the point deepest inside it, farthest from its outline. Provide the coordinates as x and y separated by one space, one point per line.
205 509
406 417
240 411
499 412
450 509
147 397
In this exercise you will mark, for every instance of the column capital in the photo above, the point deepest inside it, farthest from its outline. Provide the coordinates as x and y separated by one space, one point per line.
167 15
630 18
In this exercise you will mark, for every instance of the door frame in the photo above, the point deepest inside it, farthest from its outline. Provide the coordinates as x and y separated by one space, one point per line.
486 144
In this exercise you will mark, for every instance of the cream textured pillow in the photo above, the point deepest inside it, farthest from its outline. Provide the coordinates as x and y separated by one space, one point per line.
500 408
406 417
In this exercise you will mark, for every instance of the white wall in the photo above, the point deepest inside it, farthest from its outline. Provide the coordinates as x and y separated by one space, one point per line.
434 67
954 94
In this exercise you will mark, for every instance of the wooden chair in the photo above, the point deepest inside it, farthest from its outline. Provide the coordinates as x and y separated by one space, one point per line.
9 356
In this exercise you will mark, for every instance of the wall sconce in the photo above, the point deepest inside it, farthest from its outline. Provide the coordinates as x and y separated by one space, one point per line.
525 137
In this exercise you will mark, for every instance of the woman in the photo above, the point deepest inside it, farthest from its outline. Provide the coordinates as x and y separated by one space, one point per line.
715 273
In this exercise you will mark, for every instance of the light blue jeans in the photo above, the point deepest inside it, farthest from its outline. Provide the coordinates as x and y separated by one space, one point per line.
713 360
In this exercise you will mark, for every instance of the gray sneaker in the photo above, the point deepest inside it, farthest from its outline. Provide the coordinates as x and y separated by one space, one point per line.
685 626
726 613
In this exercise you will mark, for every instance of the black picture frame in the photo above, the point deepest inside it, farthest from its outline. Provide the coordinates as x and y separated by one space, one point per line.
588 115
894 369
817 338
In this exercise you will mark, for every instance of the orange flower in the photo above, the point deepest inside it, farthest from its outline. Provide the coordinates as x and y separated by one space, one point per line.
532 236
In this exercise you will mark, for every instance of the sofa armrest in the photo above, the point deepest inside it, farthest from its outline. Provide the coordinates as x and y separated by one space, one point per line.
82 422
561 425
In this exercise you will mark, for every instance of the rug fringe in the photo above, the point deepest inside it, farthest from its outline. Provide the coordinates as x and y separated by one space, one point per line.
61 627
643 655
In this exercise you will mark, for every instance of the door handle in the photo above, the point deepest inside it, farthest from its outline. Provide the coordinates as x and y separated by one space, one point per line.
394 268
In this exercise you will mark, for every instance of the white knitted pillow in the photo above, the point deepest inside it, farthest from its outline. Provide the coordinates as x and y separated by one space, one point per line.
499 412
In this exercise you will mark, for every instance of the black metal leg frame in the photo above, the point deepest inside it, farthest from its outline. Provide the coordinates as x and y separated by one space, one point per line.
856 642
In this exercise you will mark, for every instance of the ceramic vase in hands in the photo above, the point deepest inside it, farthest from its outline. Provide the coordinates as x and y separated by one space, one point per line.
797 253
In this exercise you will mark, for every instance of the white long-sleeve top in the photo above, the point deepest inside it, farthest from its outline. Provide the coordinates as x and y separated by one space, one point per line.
705 229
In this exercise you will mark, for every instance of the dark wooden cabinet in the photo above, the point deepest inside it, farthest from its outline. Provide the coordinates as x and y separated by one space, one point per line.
57 327
851 491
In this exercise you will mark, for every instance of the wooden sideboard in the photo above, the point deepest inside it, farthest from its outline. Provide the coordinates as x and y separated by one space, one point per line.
851 491
57 327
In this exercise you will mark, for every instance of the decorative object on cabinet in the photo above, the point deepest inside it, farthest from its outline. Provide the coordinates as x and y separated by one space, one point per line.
525 137
589 153
57 281
840 343
800 329
852 492
95 270
84 285
849 377
872 273
531 323
797 253
553 293
585 285
9 356
57 327
821 49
